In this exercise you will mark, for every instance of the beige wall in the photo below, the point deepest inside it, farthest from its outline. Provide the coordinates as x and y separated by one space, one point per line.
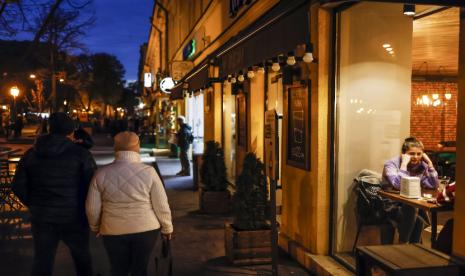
218 110
306 193
459 218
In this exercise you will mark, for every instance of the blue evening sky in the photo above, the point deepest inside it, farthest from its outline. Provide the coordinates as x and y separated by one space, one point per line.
121 27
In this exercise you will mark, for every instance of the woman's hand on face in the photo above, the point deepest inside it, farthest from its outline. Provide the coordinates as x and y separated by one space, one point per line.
405 161
427 160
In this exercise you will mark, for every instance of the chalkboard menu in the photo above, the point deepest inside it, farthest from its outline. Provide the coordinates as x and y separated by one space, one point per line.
298 138
242 120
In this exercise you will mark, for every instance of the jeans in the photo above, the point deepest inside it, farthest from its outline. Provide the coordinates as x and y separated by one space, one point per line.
185 164
130 252
46 237
412 224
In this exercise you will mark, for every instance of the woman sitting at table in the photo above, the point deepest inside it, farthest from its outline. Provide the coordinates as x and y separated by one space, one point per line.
412 162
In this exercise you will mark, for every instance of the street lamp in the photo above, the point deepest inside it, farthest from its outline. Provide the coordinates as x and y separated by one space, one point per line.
14 91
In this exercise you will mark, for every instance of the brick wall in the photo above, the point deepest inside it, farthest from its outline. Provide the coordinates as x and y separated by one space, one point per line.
432 124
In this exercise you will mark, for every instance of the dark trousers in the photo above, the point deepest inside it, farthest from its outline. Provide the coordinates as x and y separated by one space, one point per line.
130 253
410 225
185 165
46 237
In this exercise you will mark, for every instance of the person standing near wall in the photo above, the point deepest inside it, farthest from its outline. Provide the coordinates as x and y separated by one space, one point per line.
184 139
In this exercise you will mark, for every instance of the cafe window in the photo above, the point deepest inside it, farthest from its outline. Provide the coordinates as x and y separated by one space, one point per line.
396 76
196 121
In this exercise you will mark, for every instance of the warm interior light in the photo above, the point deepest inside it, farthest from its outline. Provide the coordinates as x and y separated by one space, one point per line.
409 9
261 69
62 80
435 96
448 96
233 80
32 76
386 45
389 49
436 102
425 99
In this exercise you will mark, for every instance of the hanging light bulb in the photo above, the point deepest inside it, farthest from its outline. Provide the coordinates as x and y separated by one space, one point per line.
240 78
290 58
308 56
261 69
435 96
448 96
409 9
250 73
233 79
275 67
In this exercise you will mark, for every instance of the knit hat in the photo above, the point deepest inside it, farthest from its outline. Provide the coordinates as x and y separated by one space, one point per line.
60 123
127 141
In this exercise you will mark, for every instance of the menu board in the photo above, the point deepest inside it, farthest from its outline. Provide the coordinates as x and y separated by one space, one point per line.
242 120
298 138
271 144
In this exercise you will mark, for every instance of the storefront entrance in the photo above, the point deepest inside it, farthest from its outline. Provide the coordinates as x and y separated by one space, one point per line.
396 77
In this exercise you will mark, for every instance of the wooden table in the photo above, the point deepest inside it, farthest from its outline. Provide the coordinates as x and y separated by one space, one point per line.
432 208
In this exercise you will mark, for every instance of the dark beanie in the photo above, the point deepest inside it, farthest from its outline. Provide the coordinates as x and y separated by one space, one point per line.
60 123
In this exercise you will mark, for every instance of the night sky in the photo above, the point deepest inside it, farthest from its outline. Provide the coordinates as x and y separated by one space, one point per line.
121 27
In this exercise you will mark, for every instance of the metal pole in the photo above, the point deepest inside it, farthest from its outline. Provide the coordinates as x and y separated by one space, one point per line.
274 229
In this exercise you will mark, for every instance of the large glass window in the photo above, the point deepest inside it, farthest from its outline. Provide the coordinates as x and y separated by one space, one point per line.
394 79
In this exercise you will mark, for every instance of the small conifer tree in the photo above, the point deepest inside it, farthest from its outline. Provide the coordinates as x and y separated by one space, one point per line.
250 199
213 169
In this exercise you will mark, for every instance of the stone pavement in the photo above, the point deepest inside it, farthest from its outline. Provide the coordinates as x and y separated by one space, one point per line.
198 240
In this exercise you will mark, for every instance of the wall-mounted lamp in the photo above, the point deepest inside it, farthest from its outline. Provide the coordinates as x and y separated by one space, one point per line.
308 56
250 73
290 58
409 9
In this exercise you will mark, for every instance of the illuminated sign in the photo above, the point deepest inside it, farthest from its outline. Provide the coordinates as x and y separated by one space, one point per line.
147 80
189 50
166 85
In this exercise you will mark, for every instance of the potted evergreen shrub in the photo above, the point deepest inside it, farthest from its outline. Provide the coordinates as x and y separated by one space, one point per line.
214 194
248 238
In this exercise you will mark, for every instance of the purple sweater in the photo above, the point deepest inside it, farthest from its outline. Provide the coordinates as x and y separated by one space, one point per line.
392 174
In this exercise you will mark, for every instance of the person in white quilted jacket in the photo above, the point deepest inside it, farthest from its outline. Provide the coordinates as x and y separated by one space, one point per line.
127 205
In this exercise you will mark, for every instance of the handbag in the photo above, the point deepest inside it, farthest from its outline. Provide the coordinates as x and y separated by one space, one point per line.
164 259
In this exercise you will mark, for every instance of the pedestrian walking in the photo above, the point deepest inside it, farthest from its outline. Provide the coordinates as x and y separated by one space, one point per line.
52 180
127 205
184 138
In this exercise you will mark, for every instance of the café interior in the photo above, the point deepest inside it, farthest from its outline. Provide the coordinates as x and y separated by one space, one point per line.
396 76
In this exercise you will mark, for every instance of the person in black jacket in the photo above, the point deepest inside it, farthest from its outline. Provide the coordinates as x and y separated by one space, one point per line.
184 139
52 180
83 138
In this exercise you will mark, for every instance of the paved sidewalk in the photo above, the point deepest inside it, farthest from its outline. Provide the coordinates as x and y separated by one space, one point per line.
198 244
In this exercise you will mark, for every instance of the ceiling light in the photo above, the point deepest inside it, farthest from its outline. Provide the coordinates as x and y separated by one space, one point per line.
386 45
409 9
389 49
448 96
435 96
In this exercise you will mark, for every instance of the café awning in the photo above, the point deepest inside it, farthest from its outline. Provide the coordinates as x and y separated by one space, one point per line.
277 32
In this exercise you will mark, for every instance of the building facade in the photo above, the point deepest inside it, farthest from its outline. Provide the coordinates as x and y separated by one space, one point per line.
349 81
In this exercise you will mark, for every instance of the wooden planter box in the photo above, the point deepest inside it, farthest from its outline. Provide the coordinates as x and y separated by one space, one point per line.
213 202
247 247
